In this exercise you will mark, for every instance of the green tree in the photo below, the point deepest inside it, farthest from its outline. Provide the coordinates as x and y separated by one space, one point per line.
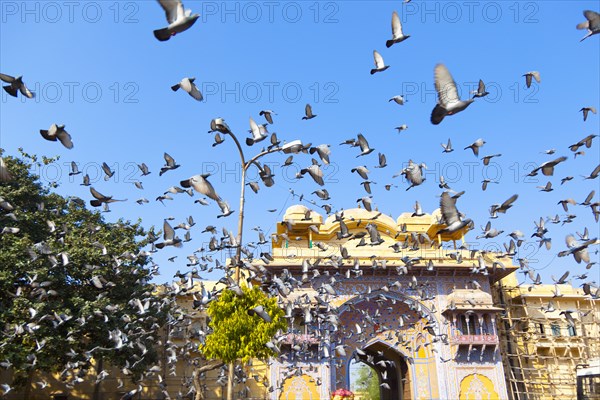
238 333
74 289
366 381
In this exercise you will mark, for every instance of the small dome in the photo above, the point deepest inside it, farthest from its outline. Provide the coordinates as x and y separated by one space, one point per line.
298 211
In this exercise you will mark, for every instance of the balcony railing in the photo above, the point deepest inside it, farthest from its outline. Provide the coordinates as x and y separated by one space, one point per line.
475 339
296 338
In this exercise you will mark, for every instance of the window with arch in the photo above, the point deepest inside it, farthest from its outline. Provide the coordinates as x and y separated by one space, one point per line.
462 325
472 324
487 327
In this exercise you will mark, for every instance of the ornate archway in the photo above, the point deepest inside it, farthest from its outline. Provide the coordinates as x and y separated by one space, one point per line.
388 333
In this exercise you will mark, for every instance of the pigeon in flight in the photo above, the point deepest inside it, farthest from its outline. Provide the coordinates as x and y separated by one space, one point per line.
502 208
475 146
315 172
364 145
586 111
308 112
169 237
144 168
259 133
178 17
16 84
579 251
447 147
57 132
379 64
268 114
201 185
187 84
450 215
170 164
547 168
532 74
592 24
323 151
397 35
448 100
100 198
399 99
480 92
413 173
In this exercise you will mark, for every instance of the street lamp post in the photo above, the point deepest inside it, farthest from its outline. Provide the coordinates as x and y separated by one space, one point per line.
219 124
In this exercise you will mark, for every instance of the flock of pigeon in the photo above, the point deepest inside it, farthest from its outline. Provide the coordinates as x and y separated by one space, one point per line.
202 260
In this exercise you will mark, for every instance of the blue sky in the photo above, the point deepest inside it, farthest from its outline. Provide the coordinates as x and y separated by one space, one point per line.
96 67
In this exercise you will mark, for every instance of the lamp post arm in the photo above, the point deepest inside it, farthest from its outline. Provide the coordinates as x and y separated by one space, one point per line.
245 166
239 147
261 154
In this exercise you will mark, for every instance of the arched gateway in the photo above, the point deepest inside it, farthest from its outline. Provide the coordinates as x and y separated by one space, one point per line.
398 300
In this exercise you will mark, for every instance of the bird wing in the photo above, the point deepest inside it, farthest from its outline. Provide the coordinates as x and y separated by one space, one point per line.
548 168
169 233
362 142
195 93
396 26
26 92
481 87
254 129
203 186
528 79
169 160
171 9
445 85
571 241
308 110
378 60
509 201
65 139
7 78
448 209
97 194
382 160
317 174
593 19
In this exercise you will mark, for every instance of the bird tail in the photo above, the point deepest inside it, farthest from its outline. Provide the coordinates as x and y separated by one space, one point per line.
586 36
95 203
175 87
10 90
162 34
389 43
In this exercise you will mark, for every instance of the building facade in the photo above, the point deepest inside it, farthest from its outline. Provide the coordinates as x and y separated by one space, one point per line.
433 318
543 347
